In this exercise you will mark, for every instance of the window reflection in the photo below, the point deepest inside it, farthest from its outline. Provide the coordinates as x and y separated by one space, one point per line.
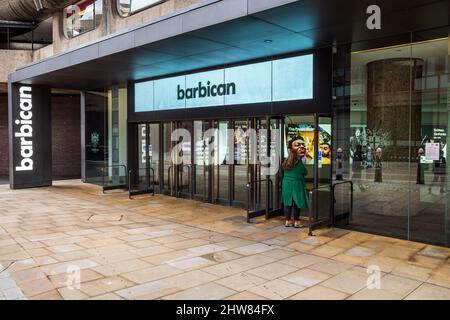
393 103
82 17
128 7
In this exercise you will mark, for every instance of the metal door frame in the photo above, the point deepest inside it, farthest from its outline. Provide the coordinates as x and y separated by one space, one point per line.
207 195
216 168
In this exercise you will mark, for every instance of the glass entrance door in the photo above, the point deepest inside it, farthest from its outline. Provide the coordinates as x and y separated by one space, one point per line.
183 155
223 158
276 151
167 165
324 167
148 156
176 167
236 160
257 159
304 127
142 156
315 130
241 169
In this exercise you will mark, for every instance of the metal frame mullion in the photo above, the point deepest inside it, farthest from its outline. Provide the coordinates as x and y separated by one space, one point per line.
230 165
316 164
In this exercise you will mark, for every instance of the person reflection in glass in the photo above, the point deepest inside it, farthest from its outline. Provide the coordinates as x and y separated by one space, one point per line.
378 165
439 171
357 158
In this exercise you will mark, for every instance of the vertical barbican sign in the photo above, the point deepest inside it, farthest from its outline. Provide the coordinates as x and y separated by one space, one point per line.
24 129
30 136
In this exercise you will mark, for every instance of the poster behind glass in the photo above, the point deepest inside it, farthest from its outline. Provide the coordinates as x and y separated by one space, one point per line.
306 131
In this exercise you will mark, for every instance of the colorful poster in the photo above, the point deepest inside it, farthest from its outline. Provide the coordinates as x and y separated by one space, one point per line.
306 131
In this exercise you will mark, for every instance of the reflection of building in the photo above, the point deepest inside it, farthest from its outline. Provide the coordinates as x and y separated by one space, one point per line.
390 102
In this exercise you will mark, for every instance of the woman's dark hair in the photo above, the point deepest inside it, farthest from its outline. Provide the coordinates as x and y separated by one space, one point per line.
292 158
293 139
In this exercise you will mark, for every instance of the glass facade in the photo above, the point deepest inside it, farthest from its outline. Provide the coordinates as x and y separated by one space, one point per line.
96 135
117 135
81 17
384 143
387 135
106 136
391 121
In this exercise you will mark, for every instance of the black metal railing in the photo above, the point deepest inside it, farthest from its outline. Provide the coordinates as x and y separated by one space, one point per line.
170 181
314 221
345 215
253 200
147 190
123 186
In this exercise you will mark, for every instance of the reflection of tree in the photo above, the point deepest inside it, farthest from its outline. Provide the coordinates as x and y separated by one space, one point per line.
356 141
363 138
377 138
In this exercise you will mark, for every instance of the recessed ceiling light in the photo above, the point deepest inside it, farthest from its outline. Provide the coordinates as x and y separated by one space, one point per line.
268 41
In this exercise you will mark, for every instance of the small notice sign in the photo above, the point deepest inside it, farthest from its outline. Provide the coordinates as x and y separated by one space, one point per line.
432 151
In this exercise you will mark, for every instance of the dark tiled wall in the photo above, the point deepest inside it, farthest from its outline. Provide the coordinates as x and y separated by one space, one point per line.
65 137
3 136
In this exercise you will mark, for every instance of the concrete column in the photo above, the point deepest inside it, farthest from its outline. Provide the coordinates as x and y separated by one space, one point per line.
390 91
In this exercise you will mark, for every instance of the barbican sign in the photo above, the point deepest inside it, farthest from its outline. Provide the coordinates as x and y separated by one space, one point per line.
24 129
30 136
206 91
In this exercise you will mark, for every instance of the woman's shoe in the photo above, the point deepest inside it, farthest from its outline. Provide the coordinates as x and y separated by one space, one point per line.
288 223
297 224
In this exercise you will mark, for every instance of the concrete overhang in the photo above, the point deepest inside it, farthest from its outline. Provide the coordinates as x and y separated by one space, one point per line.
220 32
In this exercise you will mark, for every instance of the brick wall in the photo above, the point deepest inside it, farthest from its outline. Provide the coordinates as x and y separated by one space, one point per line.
66 143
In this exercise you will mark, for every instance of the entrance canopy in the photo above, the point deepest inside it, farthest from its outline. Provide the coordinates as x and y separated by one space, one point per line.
215 33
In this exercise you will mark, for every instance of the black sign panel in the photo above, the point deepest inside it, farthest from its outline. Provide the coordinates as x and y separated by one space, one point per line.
30 134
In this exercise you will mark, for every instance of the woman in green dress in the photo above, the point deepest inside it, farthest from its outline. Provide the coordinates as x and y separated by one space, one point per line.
294 195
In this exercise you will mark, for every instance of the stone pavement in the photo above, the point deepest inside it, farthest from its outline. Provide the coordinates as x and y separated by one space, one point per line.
71 242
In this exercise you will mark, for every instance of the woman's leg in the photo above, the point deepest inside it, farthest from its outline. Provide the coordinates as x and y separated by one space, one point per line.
296 211
287 212
287 215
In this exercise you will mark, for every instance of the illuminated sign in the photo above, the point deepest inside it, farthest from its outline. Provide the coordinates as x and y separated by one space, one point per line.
25 129
30 136
278 80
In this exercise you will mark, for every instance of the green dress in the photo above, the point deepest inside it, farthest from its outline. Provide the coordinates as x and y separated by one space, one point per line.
293 187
